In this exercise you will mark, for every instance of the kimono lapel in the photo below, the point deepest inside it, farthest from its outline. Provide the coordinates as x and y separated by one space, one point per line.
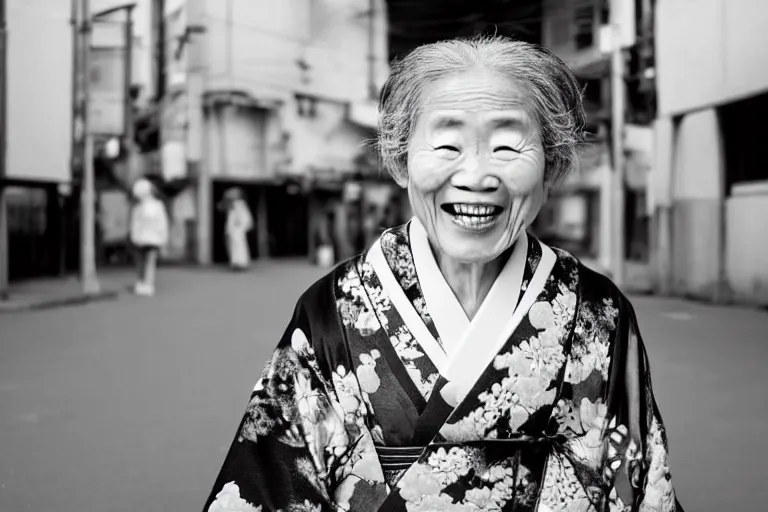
396 245
408 313
444 308
493 326
469 346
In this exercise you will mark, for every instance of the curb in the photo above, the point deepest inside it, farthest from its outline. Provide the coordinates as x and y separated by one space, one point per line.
50 303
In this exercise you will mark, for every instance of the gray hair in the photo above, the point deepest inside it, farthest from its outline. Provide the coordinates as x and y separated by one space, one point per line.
555 95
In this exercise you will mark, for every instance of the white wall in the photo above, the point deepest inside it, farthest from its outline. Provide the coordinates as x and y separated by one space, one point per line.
142 37
238 143
255 46
39 90
709 52
747 243
698 162
697 189
326 141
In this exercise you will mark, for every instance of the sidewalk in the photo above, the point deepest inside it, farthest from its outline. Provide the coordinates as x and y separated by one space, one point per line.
52 292
43 293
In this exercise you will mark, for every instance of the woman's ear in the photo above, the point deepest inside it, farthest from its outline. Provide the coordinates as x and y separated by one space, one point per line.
547 188
401 178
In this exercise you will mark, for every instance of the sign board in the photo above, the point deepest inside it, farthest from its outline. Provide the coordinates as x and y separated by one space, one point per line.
174 162
39 90
107 90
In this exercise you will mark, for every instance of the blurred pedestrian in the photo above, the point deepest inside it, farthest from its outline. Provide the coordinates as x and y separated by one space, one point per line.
239 223
148 233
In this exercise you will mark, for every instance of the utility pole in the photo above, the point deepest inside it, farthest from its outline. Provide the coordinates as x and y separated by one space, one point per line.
372 90
617 136
88 277
130 144
3 139
196 143
159 44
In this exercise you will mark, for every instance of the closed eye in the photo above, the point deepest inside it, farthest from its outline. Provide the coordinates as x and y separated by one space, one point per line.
505 148
447 148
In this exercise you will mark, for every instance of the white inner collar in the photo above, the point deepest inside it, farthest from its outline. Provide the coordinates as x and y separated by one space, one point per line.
445 309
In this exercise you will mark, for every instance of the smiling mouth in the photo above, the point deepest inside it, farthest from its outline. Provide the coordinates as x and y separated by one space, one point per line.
473 217
471 210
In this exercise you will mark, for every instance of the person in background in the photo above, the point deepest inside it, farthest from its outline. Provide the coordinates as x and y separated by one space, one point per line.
148 233
239 223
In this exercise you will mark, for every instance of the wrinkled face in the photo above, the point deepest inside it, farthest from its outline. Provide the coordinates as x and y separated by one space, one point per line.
475 166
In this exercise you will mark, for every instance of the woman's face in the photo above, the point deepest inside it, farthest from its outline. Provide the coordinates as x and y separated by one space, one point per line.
475 166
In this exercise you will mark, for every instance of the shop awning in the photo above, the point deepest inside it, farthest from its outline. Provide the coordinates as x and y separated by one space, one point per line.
239 98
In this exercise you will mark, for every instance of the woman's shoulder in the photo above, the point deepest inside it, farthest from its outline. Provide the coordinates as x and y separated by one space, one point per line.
323 288
317 303
595 282
316 315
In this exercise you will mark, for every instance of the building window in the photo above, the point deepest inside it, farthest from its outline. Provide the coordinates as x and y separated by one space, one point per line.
584 24
744 135
559 30
605 13
306 106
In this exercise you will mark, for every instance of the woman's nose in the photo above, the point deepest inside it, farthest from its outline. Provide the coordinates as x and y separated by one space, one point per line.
473 177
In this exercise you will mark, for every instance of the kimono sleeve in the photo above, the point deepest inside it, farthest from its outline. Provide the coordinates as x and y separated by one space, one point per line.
638 450
295 448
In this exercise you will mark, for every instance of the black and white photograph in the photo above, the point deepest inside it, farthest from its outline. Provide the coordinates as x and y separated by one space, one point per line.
383 255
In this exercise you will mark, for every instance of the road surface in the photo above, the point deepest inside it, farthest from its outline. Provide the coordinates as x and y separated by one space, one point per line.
131 404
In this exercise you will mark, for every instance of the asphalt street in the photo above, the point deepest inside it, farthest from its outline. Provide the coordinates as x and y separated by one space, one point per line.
130 405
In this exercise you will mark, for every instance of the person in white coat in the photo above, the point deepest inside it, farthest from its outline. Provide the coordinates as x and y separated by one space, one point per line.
239 223
148 233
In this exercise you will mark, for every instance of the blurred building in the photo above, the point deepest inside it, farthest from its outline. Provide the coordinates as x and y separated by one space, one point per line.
278 99
39 125
578 216
44 141
710 185
123 87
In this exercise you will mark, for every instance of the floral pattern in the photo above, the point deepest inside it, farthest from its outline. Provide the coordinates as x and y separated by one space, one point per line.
229 500
542 428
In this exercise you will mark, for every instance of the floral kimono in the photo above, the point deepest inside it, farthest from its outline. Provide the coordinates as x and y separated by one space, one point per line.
383 396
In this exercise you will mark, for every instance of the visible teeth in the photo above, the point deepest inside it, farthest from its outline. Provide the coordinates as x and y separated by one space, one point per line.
473 210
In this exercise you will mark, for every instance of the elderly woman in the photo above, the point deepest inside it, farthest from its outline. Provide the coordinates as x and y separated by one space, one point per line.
460 364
